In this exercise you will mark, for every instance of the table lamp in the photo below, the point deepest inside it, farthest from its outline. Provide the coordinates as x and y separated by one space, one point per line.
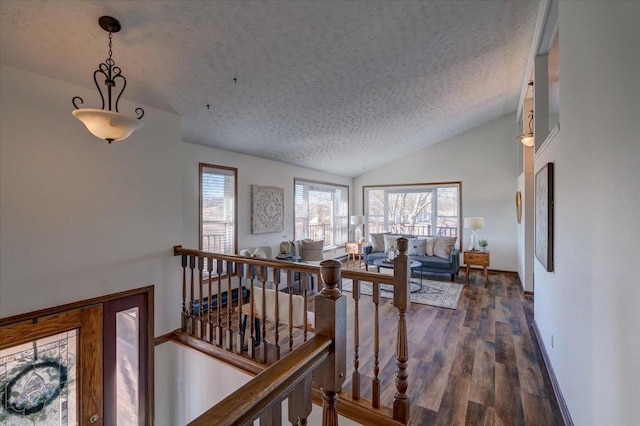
474 223
357 220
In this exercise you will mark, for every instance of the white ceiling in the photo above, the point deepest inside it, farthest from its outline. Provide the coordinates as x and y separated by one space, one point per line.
339 86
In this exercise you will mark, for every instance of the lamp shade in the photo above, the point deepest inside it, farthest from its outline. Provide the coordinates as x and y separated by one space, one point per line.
527 139
357 220
107 125
474 222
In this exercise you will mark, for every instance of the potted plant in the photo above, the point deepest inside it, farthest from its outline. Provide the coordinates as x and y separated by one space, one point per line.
483 244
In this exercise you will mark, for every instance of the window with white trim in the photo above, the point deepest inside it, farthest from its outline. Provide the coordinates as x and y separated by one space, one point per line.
218 208
416 209
321 212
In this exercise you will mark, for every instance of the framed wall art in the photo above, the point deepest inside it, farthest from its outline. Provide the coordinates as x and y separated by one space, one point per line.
518 206
267 209
544 216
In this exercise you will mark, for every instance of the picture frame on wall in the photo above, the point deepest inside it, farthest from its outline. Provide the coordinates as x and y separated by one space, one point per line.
267 209
544 216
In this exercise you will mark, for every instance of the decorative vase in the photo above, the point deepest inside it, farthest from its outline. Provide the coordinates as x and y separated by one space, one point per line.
284 245
392 253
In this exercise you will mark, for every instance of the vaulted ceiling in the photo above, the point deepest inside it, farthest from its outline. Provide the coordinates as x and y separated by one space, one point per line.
339 86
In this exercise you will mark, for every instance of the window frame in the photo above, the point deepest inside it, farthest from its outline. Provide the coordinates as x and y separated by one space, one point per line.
302 181
234 170
413 188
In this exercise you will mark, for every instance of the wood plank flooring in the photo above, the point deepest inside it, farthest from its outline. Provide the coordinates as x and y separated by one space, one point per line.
477 365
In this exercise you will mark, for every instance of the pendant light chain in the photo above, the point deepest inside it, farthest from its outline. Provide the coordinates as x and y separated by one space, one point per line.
110 61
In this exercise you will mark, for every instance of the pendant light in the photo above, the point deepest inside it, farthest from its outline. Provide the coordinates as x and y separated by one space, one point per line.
108 123
528 139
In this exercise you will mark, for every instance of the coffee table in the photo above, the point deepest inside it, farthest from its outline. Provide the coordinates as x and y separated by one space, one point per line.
380 263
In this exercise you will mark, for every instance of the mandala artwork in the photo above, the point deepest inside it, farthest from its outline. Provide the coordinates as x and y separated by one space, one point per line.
267 209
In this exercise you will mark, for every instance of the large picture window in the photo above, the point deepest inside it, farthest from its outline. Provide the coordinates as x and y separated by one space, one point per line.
218 208
416 209
321 212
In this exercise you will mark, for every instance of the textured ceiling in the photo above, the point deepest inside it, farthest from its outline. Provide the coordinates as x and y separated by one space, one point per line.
339 86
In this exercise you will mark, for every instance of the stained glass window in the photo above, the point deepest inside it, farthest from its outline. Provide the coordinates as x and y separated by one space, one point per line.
38 382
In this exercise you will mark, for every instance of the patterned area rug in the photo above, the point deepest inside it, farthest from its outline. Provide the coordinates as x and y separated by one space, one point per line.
434 293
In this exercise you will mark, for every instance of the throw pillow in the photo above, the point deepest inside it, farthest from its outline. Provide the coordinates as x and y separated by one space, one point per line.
296 248
259 253
430 243
377 242
417 247
312 250
391 242
444 246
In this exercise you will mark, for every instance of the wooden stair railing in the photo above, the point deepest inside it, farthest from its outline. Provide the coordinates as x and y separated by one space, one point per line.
323 355
401 301
206 276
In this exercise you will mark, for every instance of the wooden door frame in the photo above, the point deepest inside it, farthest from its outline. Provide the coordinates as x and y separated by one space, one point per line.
39 316
88 321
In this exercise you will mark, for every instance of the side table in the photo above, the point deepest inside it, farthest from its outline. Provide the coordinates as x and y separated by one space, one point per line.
354 251
477 258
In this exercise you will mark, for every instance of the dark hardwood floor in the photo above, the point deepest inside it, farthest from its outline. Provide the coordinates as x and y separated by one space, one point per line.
477 365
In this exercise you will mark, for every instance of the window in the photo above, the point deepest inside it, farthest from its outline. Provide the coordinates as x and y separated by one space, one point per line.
321 212
127 340
417 209
218 210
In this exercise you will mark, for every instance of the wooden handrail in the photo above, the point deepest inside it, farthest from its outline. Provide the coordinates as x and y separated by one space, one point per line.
270 263
209 315
274 384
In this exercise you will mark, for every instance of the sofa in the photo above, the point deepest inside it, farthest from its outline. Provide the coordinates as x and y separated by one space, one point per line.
436 254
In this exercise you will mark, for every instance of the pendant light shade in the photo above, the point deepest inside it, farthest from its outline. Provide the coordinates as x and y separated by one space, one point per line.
528 139
107 125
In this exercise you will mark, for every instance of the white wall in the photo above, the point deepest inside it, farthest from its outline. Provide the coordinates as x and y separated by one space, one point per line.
81 218
591 302
484 160
251 170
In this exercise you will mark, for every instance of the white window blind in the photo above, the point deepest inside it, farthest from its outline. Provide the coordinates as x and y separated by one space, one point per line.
321 212
425 209
217 209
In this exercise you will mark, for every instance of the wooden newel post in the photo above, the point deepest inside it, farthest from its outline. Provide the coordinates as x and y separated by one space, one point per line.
401 292
331 315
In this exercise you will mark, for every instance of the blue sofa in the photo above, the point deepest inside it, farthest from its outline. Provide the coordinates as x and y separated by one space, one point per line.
432 264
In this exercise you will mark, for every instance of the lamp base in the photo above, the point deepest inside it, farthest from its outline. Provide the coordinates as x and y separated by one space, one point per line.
358 235
474 240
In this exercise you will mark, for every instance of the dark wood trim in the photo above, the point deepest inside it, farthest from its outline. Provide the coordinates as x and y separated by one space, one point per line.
235 195
75 305
359 411
167 337
455 182
566 416
144 303
274 384
151 378
528 293
243 364
497 271
387 185
296 179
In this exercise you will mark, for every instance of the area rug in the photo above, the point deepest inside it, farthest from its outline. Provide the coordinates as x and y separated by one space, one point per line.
434 293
